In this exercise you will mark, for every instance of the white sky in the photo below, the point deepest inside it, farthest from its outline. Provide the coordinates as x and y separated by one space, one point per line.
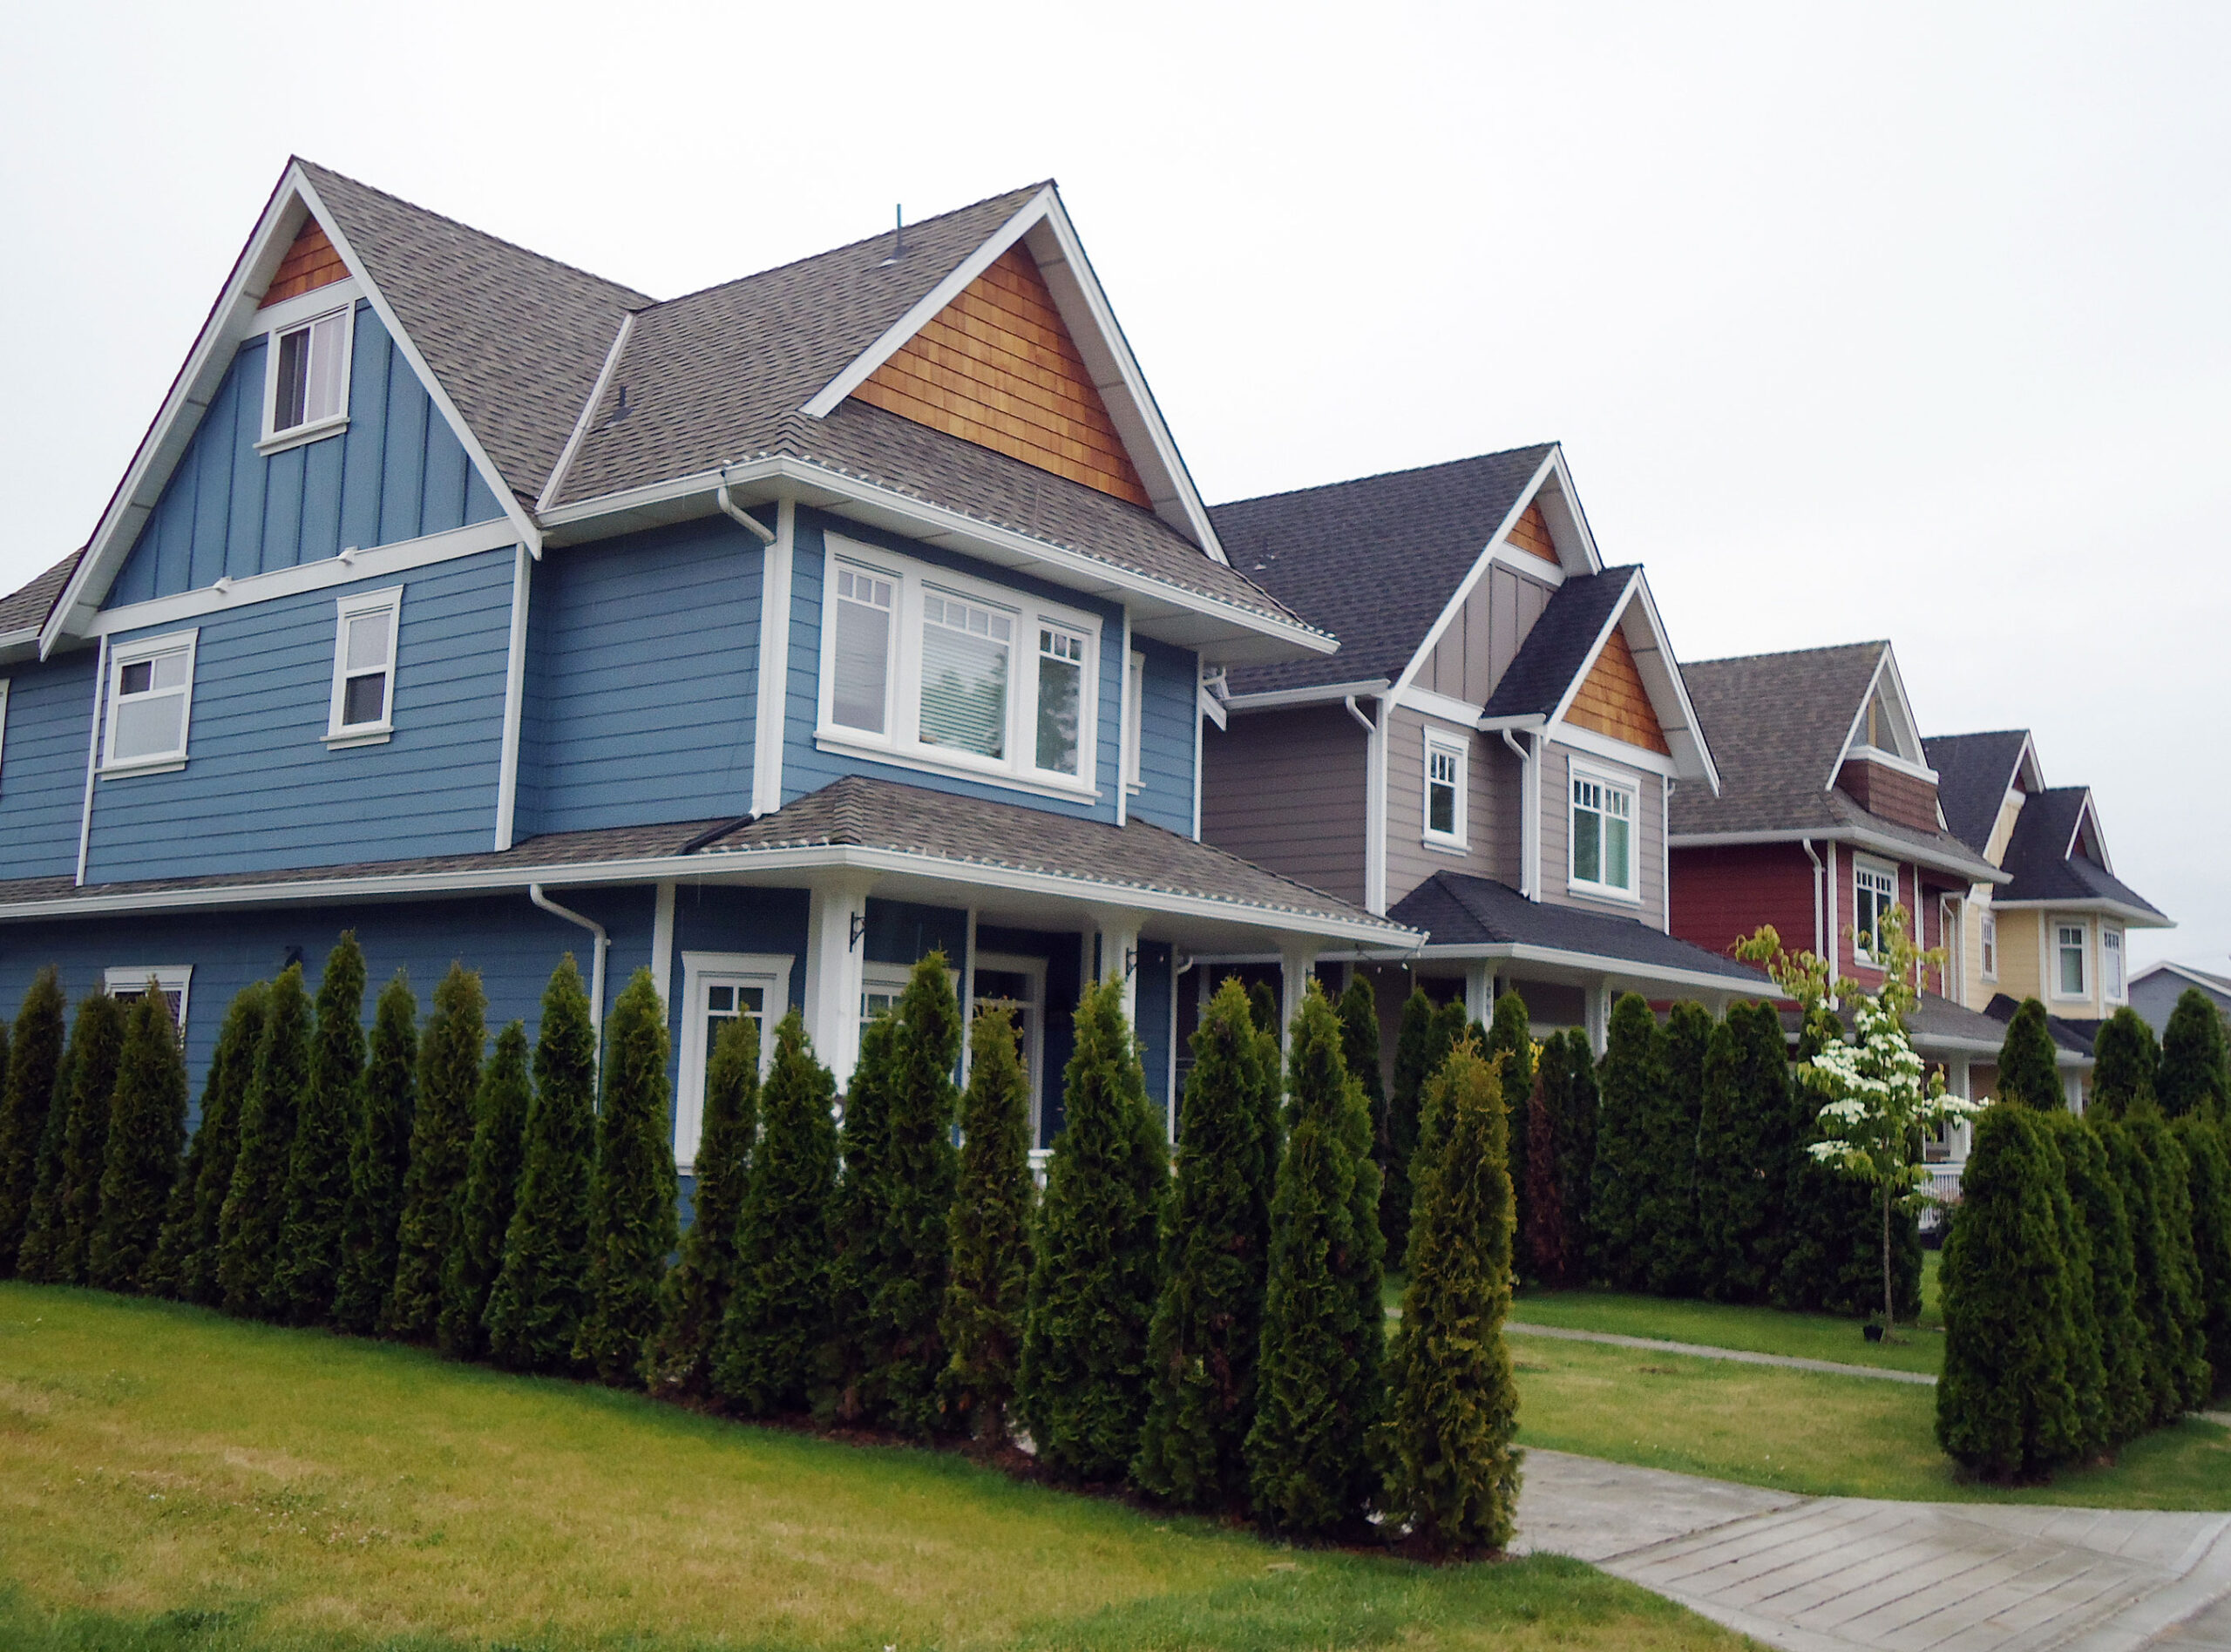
1855 321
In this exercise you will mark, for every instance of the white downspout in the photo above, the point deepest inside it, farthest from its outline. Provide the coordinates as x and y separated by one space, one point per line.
1529 820
1374 803
596 969
1814 855
728 506
92 760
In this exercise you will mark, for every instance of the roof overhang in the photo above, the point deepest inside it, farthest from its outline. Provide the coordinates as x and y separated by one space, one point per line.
18 645
1623 972
2104 906
1975 870
1912 756
1321 694
1661 680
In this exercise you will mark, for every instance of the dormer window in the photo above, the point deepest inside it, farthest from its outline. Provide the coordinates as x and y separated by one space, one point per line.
306 379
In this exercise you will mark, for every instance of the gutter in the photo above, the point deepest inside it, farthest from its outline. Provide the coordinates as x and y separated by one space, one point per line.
1322 693
1819 873
596 970
1978 870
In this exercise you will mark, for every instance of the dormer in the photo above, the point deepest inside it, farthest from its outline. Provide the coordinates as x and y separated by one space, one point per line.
1883 767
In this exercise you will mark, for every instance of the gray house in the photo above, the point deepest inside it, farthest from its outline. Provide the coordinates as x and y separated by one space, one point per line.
2154 991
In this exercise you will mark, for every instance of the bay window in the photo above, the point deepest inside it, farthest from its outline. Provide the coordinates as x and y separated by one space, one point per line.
1602 851
2111 963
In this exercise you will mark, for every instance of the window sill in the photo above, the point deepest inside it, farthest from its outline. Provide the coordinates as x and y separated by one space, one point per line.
302 437
348 739
152 766
1603 892
1446 845
836 740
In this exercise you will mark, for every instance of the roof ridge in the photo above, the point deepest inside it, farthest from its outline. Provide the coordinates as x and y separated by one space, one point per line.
1383 476
1786 653
1979 733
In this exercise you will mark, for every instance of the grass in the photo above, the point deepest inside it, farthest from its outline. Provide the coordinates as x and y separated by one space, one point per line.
173 1481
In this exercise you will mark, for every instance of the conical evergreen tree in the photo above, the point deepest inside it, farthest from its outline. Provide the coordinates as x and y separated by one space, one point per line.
332 1112
1544 1239
1418 1048
1454 1477
42 1222
379 1158
1633 1076
2125 1061
1360 1046
697 1291
920 1167
633 1226
2196 1073
2082 1357
1669 1201
540 1295
34 1061
774 1342
1081 1387
145 1135
1263 1004
1578 1110
441 1143
990 1285
247 1227
492 1193
1448 1030
2027 1072
100 1036
856 1224
2166 1305
1320 1389
1742 1144
1510 1034
2209 1161
1206 1334
2098 1198
2170 1293
187 1258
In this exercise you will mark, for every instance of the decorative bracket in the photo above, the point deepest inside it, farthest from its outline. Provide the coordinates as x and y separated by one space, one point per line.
859 928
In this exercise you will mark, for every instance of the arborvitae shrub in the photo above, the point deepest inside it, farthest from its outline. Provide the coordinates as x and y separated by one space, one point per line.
990 1283
1319 1383
541 1291
492 1193
1510 1034
441 1142
2126 1059
1447 1031
34 1058
856 1222
1743 1144
774 1342
248 1226
2167 1305
1455 1472
1357 1007
2004 1404
1206 1334
1832 1262
2083 1361
379 1158
697 1291
2027 1069
1414 1064
1633 1076
2209 1162
1263 1004
1577 1112
1543 1240
98 1040
35 1257
191 1240
1081 1387
332 1110
2096 1192
1669 1198
633 1225
921 1168
2196 1073
2171 1292
146 1131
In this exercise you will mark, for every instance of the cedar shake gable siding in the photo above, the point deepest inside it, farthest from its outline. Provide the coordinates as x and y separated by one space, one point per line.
1882 790
1613 701
311 263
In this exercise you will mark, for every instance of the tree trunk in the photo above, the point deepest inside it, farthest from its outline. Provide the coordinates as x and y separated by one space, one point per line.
1889 1317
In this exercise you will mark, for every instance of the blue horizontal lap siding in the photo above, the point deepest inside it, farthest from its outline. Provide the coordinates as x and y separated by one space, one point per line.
42 764
807 769
260 790
642 679
1169 703
397 472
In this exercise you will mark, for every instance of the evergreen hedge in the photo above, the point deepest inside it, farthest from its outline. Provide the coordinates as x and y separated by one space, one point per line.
990 1282
146 1132
2083 1354
535 1307
1668 1201
2196 1073
1542 1240
1262 1005
2171 1294
1415 1057
1632 1077
2162 1290
441 1142
856 1222
332 1111
1453 1474
35 1257
379 1158
247 1227
1357 1007
697 1291
1743 1149
2209 1161
633 1225
492 1193
1206 1334
2096 1192
1081 1387
35 1059
1510 1034
1578 1110
2127 1059
2027 1060
920 1167
1446 1031
98 1049
187 1256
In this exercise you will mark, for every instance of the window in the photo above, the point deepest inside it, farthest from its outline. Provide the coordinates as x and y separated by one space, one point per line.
881 987
2068 960
2110 962
1018 984
363 667
1602 835
1444 792
940 671
1135 696
150 698
1873 892
718 988
1991 947
127 983
307 378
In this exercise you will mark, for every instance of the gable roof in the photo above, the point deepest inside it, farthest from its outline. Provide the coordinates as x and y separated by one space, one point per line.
1561 644
22 611
2049 865
2217 986
1973 774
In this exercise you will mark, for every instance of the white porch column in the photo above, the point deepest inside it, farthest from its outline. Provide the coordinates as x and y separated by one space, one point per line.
834 951
1118 929
1297 958
1480 991
1597 1000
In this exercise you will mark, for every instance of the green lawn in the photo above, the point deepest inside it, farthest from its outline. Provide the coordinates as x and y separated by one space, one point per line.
1763 1330
176 1482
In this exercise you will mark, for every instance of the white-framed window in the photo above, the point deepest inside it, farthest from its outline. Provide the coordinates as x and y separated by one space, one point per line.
1991 946
2071 949
1445 792
718 988
150 703
1602 846
935 670
1873 892
128 982
1019 984
363 667
306 378
2111 965
1135 696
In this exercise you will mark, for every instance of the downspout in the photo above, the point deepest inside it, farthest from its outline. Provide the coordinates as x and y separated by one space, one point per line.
1375 794
1529 822
1812 856
93 762
728 506
596 970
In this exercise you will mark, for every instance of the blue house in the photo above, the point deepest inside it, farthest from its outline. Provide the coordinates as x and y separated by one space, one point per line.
769 638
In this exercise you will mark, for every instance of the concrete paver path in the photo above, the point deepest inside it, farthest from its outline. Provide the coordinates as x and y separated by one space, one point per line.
1699 1350
1834 1573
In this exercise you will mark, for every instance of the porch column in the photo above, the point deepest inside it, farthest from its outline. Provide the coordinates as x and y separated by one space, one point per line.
1297 958
1479 991
1118 930
1598 1001
834 952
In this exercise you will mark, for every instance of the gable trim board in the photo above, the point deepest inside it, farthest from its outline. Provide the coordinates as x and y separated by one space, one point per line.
1887 665
612 357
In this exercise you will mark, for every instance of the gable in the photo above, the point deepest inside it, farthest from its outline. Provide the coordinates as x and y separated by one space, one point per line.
311 263
997 367
1613 701
1531 534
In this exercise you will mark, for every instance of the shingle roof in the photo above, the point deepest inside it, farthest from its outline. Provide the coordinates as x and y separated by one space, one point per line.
1556 648
2046 868
1461 908
2076 1036
1935 1023
25 609
1373 561
1973 772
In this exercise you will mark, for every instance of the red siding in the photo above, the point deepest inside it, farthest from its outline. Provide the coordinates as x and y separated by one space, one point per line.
1720 895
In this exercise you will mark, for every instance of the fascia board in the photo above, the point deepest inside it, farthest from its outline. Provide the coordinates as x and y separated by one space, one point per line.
1600 964
1516 723
1690 732
2089 809
612 357
2132 916
1594 650
1328 693
1887 665
1905 708
1455 606
1570 496
1858 722
1876 843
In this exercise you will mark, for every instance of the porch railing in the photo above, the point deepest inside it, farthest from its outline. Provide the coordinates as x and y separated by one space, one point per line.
1943 1192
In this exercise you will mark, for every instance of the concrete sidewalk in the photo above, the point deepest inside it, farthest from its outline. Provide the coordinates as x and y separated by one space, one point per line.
1834 1573
1699 1350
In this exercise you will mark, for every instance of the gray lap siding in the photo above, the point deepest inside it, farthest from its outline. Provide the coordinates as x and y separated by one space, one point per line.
1491 806
1286 790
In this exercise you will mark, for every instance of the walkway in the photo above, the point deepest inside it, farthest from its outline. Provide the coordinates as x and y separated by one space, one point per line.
1835 1573
1700 1351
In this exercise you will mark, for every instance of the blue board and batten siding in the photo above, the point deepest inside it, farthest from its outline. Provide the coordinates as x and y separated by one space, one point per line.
42 764
397 472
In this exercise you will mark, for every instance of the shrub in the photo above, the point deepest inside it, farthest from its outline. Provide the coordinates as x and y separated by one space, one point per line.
1743 1144
34 1061
332 1111
2126 1059
1510 1034
1668 1204
249 1225
2171 1291
1447 1031
146 1131
633 1226
441 1137
2098 1198
2195 1075
1632 1077
1082 1385
96 1044
2210 1164
379 1158
1544 1239
698 1290
1578 1107
1320 1388
990 1281
2162 1290
1415 1057
541 1291
1262 1005
491 1194
1360 1046
187 1256
2027 1060
774 1342
856 1221
2083 1355
1455 1472
1207 1330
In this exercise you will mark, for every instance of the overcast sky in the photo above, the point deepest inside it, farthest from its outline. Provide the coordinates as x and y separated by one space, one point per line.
1855 321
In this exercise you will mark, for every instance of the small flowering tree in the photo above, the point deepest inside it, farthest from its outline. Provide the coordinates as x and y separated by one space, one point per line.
1879 1095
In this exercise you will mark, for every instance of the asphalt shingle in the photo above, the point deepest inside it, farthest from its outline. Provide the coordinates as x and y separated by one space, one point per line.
27 608
1556 648
1973 772
1463 909
2048 865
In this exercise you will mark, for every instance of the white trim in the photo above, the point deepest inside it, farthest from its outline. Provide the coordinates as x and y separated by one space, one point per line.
507 773
1575 738
290 312
1665 854
2132 917
1527 566
388 600
1619 969
771 973
1204 706
770 690
1973 870
272 439
1868 865
2109 992
301 435
134 652
1629 786
3 728
1462 712
93 760
120 979
2216 984
1886 675
841 741
1987 945
612 354
662 943
1438 744
350 566
1654 659
2053 925
1325 693
1132 768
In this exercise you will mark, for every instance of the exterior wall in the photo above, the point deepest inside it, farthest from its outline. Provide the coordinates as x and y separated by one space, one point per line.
1556 833
1491 805
1168 708
1612 700
2037 968
1481 642
397 472
642 679
42 764
1723 893
1882 790
2019 953
260 789
1286 789
2155 996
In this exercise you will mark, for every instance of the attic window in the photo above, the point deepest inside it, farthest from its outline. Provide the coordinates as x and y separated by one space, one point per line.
306 379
